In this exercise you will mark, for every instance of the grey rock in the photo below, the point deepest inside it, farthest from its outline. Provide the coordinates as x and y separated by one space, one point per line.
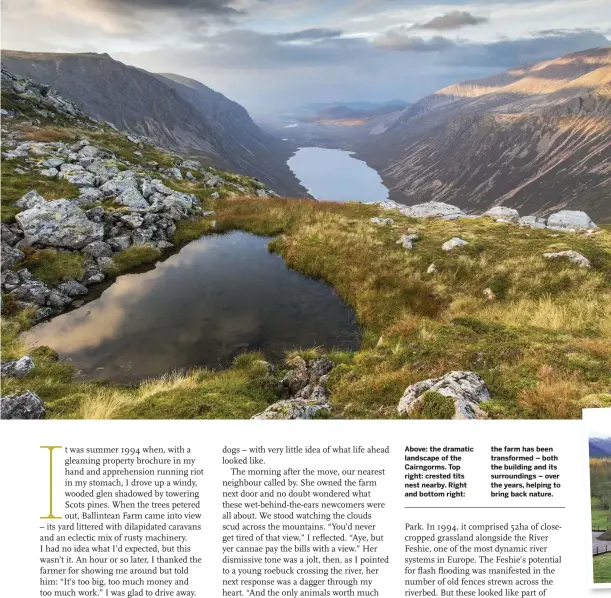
502 214
431 269
44 313
98 168
132 221
262 193
384 221
452 243
30 200
9 236
215 195
90 195
96 214
132 198
141 236
467 389
10 280
49 172
175 173
89 151
189 176
532 222
58 300
120 243
97 249
214 181
572 256
105 263
192 164
72 288
9 256
79 145
59 223
406 242
17 369
161 188
93 276
570 220
79 179
53 162
24 405
178 200
432 209
32 291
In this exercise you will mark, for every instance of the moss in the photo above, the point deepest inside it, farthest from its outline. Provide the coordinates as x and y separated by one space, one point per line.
53 266
433 405
189 230
134 256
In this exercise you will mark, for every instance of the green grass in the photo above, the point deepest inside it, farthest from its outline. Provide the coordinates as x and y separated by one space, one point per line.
601 518
134 256
53 266
15 186
434 405
602 568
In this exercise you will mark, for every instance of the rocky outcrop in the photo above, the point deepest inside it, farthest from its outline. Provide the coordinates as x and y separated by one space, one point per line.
432 209
305 389
24 405
570 220
59 223
467 390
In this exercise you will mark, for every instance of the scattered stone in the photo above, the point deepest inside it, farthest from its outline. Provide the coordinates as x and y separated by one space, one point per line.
502 214
191 164
9 256
189 176
132 199
58 223
97 249
406 242
49 172
175 173
452 243
72 288
24 405
431 269
53 162
570 221
383 221
572 256
215 195
17 369
120 243
58 300
132 221
532 222
467 389
489 294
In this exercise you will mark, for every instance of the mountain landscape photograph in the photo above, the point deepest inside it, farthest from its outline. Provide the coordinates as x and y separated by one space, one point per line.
268 209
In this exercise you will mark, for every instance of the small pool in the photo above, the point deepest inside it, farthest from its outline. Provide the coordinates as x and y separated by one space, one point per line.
217 297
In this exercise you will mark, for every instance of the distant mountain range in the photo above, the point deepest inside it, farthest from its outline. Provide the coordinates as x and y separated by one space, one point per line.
536 138
600 447
347 113
177 113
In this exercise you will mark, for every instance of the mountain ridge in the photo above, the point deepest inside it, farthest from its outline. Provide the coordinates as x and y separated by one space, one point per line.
535 138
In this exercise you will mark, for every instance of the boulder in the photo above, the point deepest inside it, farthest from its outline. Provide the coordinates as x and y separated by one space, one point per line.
161 188
49 172
8 236
24 405
53 162
97 249
89 151
262 193
58 300
192 164
30 200
90 195
467 389
32 291
532 222
132 198
572 256
120 243
59 223
431 209
182 201
98 168
141 236
452 243
9 256
132 221
570 220
296 408
17 369
502 214
120 183
175 173
72 288
96 214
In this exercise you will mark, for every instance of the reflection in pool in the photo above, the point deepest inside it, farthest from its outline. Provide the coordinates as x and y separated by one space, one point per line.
219 296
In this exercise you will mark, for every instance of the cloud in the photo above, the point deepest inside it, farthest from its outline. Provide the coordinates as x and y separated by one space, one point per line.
514 52
309 35
453 20
399 40
207 7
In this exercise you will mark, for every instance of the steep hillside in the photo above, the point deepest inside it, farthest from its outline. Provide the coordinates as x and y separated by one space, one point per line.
536 138
177 113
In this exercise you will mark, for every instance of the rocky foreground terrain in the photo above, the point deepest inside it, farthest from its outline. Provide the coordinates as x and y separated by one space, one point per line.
464 316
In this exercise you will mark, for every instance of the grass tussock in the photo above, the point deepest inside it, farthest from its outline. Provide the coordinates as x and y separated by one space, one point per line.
54 266
134 256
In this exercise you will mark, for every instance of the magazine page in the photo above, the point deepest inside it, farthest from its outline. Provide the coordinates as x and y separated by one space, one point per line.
305 299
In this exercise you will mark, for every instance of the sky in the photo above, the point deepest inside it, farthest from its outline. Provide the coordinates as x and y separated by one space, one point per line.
275 55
